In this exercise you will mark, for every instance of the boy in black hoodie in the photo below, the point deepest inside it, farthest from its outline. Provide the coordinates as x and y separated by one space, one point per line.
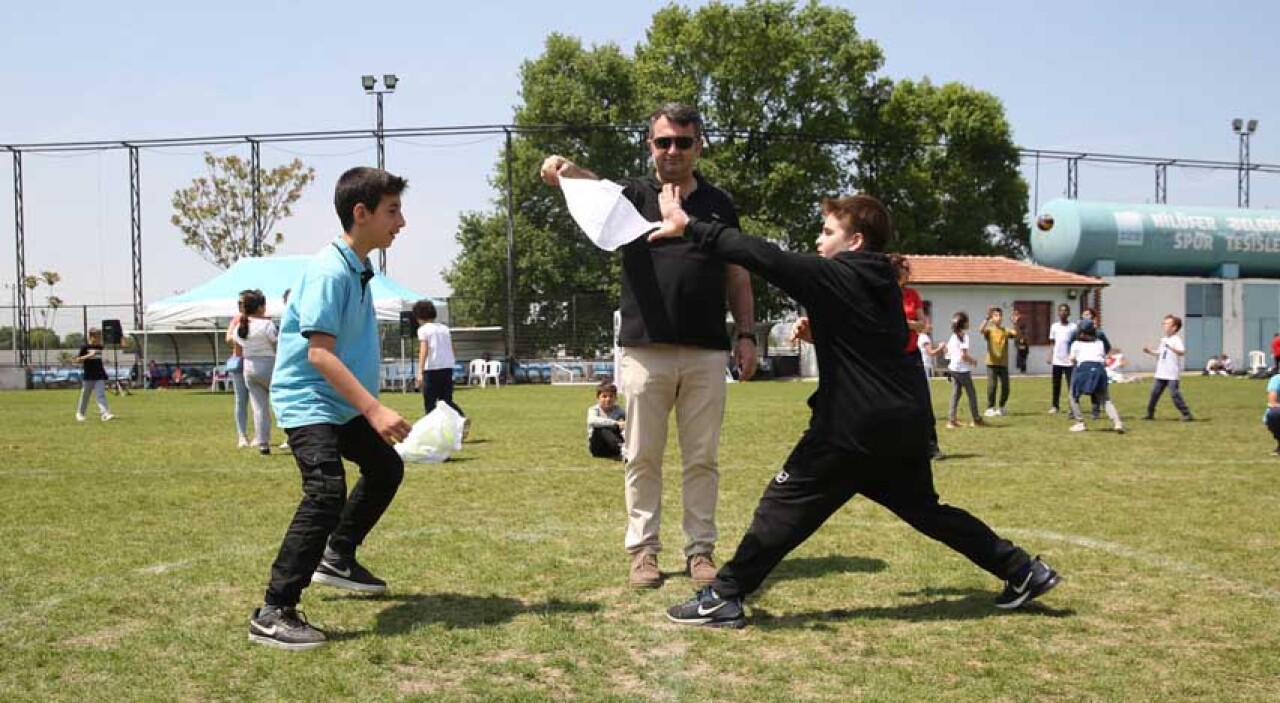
869 432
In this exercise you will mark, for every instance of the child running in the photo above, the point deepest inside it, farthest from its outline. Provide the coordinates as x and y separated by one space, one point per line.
869 432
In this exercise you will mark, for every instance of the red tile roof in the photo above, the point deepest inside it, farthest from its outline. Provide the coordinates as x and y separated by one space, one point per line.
988 270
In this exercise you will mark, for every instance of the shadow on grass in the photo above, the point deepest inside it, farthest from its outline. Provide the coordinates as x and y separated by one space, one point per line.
457 611
815 567
947 456
962 604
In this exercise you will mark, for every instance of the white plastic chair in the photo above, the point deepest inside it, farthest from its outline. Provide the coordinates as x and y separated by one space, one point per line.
1257 362
492 370
475 372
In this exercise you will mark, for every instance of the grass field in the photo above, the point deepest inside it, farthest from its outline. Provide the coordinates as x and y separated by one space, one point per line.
132 552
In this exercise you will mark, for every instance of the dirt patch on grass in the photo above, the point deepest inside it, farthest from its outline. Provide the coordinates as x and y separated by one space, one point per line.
106 638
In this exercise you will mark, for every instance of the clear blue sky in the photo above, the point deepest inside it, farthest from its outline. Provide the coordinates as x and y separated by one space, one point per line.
1147 78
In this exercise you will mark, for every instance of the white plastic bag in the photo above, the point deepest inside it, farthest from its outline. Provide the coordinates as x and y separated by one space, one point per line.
433 438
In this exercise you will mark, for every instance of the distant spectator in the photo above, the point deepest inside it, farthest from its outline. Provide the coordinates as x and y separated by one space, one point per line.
606 422
235 371
1228 366
435 358
1275 352
256 334
1214 367
1020 343
93 378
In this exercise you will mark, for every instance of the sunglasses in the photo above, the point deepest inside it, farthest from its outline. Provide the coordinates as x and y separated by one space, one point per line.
682 143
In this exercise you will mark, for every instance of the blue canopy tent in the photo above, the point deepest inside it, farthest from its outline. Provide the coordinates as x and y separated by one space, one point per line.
193 321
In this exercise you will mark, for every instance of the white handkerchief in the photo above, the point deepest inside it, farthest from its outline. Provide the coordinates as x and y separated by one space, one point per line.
598 207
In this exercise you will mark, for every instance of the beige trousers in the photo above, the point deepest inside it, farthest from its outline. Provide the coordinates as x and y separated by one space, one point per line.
655 379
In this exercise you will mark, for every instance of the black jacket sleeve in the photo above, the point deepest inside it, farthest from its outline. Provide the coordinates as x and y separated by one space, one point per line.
798 275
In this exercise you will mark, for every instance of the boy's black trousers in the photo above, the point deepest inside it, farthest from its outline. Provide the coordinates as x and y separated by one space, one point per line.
606 442
326 513
817 479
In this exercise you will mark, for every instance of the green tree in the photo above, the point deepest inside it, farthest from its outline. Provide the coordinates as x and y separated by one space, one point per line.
43 338
945 163
74 340
566 85
798 112
216 212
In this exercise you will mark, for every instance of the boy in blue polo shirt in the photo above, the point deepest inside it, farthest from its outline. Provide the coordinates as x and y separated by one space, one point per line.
324 392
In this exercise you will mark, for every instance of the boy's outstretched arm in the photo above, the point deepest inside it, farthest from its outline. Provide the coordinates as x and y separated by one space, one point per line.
385 421
795 274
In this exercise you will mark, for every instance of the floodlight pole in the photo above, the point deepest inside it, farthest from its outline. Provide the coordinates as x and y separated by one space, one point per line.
370 83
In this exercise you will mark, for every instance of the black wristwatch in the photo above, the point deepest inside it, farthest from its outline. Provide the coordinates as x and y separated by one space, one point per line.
747 335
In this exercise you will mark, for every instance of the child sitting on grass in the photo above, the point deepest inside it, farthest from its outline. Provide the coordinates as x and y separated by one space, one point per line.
606 421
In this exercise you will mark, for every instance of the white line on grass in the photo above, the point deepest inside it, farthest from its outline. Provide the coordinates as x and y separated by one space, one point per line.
1148 558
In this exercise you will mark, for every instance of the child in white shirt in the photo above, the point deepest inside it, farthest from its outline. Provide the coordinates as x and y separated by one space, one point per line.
606 421
1090 376
1169 354
961 368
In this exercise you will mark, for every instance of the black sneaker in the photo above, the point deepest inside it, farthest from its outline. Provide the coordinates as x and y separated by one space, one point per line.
1188 418
707 608
285 628
1035 580
1148 417
347 573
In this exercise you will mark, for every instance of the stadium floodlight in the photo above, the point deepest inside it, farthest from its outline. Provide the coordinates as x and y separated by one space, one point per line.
369 83
1237 125
1253 126
390 80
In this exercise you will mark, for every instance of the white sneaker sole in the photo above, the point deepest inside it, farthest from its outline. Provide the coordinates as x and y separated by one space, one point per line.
291 646
339 582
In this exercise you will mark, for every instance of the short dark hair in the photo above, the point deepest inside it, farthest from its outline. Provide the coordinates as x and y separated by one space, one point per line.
864 214
424 310
1177 322
900 264
606 386
995 309
678 113
363 185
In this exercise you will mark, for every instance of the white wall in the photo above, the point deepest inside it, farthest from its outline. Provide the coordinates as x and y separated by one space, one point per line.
946 300
1133 308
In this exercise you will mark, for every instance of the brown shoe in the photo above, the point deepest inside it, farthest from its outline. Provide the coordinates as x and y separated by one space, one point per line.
702 569
644 570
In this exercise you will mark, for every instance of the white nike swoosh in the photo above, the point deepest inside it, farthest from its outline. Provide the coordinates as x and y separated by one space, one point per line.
705 612
1023 587
343 573
268 631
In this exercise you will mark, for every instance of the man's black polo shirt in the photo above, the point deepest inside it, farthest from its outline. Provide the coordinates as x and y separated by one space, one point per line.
672 293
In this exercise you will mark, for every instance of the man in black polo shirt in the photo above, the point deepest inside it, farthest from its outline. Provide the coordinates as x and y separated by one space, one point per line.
674 347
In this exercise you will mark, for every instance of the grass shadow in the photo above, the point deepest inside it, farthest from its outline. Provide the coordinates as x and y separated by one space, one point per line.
948 456
457 611
959 604
815 567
